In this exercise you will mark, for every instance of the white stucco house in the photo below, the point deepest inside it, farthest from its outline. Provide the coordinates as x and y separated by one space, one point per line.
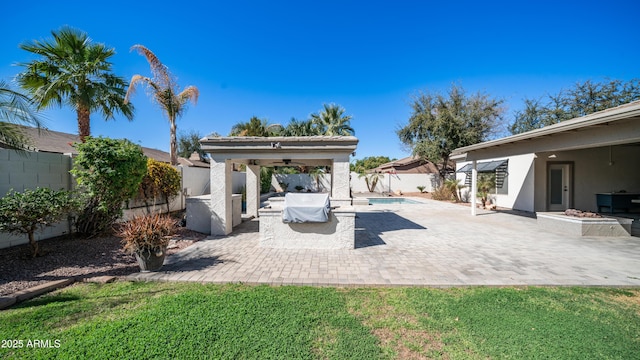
591 163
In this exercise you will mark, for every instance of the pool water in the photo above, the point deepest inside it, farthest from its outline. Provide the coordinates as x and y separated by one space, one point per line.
377 201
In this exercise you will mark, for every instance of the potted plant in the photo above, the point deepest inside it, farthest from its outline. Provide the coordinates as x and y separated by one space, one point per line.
147 238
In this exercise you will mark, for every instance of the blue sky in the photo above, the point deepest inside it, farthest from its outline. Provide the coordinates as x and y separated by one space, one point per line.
284 59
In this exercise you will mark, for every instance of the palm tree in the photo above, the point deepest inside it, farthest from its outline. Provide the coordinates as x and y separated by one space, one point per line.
332 121
255 127
15 108
301 128
455 186
164 90
486 183
75 71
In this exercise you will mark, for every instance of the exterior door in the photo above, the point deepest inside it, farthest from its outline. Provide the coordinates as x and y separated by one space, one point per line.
559 187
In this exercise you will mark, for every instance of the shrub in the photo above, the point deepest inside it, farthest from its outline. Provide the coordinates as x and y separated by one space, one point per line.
421 188
161 179
442 193
109 173
149 233
24 213
265 179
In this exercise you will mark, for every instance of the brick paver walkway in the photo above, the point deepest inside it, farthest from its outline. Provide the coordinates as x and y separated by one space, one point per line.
429 244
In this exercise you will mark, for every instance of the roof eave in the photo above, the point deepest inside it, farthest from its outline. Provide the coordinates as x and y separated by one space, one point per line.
619 113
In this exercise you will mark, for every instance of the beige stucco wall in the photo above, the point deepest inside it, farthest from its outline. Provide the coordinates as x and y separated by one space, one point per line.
520 183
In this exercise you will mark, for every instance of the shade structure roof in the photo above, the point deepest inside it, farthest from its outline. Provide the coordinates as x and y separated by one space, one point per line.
485 166
497 167
280 150
615 126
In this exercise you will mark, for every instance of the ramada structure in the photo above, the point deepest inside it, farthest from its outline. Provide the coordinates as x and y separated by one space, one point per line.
255 152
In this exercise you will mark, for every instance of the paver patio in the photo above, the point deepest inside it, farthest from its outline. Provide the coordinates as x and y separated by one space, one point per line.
428 244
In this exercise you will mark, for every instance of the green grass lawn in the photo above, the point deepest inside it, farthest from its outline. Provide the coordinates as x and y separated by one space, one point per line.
127 320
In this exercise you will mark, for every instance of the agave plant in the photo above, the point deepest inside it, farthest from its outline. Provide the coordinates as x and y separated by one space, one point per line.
147 234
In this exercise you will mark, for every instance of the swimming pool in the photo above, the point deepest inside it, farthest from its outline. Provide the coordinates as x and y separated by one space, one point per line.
378 201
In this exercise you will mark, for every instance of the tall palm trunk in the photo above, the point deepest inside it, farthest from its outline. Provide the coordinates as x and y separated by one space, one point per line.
173 143
84 125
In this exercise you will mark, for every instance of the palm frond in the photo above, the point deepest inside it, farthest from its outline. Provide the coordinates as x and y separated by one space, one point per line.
158 69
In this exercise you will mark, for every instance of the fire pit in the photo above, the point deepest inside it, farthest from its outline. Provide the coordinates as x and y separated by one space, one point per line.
581 214
581 223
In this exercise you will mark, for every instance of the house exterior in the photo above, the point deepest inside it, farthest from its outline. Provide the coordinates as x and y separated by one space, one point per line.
572 164
401 176
408 165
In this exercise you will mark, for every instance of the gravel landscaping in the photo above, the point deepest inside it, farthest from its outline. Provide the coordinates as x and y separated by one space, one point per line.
67 257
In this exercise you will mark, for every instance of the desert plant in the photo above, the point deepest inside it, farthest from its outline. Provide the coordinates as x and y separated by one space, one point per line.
147 234
299 188
486 183
371 180
421 188
161 179
442 193
24 213
455 186
109 173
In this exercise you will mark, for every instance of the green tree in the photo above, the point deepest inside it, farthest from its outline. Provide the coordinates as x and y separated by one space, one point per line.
438 124
165 92
370 162
75 71
15 109
266 173
24 213
189 142
108 172
583 99
255 127
160 180
332 121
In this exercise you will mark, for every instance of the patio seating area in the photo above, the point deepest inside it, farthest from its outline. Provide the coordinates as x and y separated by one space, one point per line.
428 244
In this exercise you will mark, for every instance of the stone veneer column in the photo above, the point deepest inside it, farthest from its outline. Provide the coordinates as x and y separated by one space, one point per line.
221 221
252 189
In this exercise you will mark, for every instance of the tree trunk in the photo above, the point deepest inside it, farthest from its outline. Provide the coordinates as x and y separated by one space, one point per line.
35 248
173 145
84 125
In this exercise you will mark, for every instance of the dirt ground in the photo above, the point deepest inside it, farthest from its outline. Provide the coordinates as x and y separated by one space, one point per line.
72 256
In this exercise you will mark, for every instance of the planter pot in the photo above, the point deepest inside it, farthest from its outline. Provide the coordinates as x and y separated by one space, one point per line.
149 261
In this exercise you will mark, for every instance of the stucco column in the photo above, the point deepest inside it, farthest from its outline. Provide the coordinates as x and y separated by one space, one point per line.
474 187
340 182
221 221
253 190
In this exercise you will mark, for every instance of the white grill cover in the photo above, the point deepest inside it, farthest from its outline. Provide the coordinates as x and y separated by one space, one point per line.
305 207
